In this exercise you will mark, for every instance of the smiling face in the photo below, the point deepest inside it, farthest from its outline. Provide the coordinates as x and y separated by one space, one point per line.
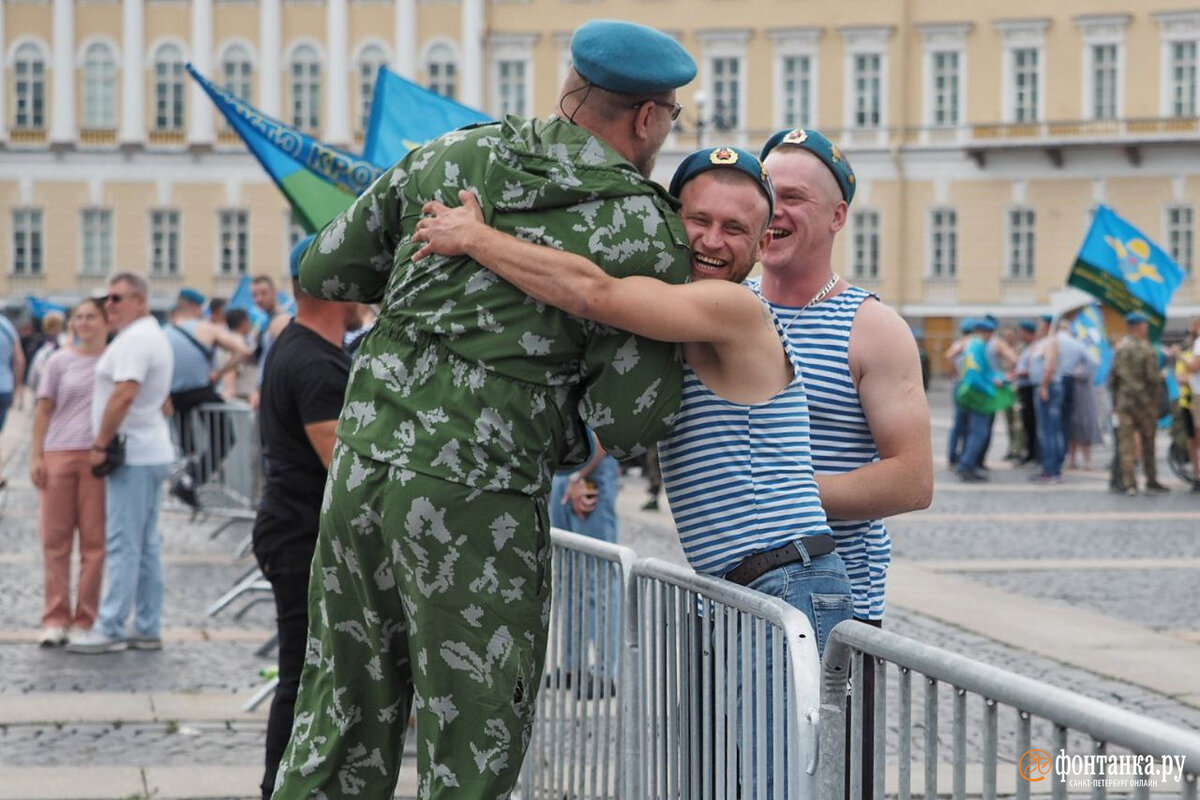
725 215
88 323
125 304
264 295
809 209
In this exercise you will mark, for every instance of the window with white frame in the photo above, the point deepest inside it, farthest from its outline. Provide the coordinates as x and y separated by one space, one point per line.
370 60
796 77
943 244
234 251
29 84
1027 83
726 82
1180 237
441 70
237 72
164 242
1020 243
168 89
305 72
96 226
27 241
944 78
868 91
1105 76
865 261
1182 70
99 87
510 86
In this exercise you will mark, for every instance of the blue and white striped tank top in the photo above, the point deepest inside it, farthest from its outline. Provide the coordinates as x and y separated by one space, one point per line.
841 440
740 477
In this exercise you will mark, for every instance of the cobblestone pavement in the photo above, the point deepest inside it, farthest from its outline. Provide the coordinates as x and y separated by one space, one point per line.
1038 542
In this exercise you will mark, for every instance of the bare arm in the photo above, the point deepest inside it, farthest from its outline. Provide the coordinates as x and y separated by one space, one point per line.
1051 369
239 352
885 363
322 436
41 422
114 414
705 311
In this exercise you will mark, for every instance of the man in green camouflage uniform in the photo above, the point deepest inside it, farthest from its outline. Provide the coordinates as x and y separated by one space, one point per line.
1135 383
430 582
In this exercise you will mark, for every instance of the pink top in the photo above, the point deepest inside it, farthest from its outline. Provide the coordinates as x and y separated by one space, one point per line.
69 380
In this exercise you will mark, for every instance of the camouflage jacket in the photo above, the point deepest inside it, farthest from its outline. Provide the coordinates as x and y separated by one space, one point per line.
464 377
1135 378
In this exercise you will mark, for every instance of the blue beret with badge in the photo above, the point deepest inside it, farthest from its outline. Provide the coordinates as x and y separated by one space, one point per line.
1135 318
298 253
734 158
829 154
192 296
628 58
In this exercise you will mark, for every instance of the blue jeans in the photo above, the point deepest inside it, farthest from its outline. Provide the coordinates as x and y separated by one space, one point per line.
133 561
585 582
979 431
1051 445
958 431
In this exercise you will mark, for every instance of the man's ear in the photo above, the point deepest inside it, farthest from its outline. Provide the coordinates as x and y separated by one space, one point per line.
641 120
840 215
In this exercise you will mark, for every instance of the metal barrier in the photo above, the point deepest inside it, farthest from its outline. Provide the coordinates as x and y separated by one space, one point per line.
729 686
581 745
1055 735
220 444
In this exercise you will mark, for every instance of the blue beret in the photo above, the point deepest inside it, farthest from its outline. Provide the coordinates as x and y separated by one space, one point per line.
297 252
629 58
967 325
1028 325
1047 318
1136 317
724 158
192 296
822 148
985 324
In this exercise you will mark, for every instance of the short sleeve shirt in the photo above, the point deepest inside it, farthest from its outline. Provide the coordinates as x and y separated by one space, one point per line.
69 380
140 353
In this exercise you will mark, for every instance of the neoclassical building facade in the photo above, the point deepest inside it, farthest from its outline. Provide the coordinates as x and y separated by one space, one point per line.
983 134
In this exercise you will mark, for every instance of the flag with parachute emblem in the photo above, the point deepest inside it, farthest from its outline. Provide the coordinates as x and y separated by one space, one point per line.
405 115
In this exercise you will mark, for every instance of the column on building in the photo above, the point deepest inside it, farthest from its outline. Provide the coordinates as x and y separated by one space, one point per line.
472 53
200 113
133 72
337 95
62 119
270 46
405 60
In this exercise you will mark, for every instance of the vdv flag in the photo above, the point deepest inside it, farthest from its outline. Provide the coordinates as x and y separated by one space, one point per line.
1088 328
39 308
1123 268
243 298
405 115
979 388
318 180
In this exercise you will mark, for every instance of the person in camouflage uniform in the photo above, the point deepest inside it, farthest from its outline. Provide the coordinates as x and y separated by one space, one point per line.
1135 381
430 582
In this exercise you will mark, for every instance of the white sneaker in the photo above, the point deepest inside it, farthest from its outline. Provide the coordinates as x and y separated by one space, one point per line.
94 641
52 636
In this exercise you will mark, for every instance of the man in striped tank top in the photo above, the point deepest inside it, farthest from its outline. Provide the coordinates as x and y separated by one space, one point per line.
868 413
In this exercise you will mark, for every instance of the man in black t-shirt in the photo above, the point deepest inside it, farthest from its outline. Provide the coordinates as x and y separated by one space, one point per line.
304 379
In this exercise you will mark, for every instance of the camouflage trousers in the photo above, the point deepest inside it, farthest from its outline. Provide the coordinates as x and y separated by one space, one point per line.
1016 431
425 595
1143 424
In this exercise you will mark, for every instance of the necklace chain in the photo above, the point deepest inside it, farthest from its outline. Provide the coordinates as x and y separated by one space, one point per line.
826 289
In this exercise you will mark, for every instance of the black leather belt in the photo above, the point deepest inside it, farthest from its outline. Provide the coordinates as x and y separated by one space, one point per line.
757 565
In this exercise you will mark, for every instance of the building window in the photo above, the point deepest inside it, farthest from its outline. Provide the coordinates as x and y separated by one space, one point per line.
1183 79
1020 243
865 265
29 69
235 242
726 92
99 87
1027 81
1104 81
237 72
511 84
797 91
97 238
27 241
943 244
370 60
441 71
168 89
306 89
164 243
868 91
1179 237
945 79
